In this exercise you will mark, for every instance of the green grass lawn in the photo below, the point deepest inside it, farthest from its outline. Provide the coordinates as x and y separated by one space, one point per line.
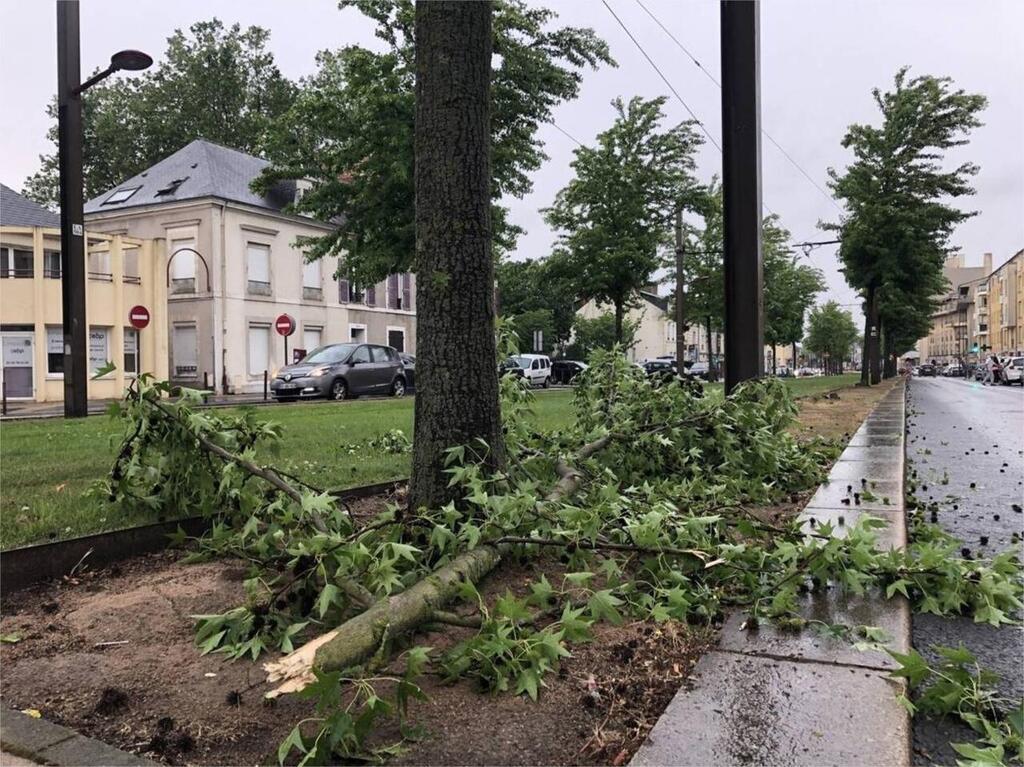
46 466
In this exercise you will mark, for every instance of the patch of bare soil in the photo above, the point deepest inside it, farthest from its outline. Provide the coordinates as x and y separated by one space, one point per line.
838 414
112 656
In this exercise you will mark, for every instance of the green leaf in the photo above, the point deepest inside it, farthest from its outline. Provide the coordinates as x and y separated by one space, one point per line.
105 369
602 606
328 597
10 638
294 740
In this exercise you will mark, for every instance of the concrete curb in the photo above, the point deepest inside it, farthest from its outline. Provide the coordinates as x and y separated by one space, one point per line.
42 742
770 697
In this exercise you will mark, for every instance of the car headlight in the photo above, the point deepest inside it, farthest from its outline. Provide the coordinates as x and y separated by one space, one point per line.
317 372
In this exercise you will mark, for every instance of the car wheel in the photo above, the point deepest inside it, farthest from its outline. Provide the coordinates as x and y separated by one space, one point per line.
398 388
547 383
339 389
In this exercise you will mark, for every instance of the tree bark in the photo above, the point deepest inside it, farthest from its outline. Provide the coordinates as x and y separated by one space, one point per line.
707 326
456 370
876 351
867 353
773 360
619 315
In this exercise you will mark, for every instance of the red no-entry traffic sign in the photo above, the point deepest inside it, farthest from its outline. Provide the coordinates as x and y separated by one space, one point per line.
285 325
138 316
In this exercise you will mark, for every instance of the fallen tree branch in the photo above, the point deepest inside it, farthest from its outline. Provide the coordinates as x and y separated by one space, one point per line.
361 636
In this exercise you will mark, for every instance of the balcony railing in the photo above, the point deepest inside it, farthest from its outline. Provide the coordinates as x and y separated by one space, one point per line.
183 285
312 294
131 279
101 276
17 273
258 288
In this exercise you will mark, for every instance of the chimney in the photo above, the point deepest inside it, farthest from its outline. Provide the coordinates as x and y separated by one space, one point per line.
987 263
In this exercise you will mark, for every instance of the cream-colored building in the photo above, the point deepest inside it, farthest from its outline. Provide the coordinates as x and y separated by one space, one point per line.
123 272
1005 288
655 334
234 267
956 322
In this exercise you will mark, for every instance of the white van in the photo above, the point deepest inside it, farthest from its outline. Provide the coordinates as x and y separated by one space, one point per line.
536 368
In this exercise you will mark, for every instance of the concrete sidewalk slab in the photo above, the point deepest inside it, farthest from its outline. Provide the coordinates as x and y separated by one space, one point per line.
879 494
816 644
774 697
38 741
746 710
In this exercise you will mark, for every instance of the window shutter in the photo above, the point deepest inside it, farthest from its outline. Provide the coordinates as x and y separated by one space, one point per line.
343 292
407 292
393 298
371 295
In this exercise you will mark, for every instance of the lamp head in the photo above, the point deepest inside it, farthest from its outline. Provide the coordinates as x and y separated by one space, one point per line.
130 60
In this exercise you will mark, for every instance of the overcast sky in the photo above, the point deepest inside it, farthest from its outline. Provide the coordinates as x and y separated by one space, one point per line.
820 59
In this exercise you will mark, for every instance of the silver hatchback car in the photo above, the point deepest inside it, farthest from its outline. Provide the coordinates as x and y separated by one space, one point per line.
339 371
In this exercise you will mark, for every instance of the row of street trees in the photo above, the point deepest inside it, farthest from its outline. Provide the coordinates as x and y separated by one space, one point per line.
899 217
831 335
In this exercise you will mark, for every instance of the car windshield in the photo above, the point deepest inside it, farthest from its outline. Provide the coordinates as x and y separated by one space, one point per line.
326 355
1018 362
523 362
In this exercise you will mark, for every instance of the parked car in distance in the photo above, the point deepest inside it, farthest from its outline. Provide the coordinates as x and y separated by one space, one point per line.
659 367
536 368
1013 370
339 371
510 368
953 371
702 370
927 371
564 371
409 363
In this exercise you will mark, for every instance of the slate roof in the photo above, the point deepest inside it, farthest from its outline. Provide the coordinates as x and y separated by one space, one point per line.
199 169
17 210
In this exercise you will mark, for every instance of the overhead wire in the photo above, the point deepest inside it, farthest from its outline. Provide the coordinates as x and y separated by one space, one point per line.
711 77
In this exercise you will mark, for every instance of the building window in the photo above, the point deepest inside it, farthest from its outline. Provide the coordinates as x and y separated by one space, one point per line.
131 351
121 195
185 351
394 295
311 289
312 338
131 266
344 293
406 292
396 339
15 262
356 294
183 266
55 351
371 295
99 266
357 333
258 265
259 349
99 349
51 264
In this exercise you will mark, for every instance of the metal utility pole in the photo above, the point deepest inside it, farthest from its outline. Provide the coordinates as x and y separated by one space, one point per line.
741 187
680 307
72 224
72 230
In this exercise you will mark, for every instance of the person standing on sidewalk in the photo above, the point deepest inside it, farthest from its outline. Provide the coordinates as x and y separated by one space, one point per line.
993 371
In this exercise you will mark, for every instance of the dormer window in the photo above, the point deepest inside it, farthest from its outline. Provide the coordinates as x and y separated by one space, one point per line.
171 188
121 195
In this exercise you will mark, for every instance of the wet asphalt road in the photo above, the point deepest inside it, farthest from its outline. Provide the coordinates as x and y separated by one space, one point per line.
969 434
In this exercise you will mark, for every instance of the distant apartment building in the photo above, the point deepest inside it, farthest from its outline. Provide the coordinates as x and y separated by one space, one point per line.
123 273
233 267
956 322
1005 288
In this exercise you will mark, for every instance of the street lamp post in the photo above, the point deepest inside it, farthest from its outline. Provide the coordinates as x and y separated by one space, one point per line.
72 225
741 190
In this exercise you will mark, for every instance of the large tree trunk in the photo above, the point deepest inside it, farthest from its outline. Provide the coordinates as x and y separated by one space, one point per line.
620 312
711 359
456 370
774 369
876 351
866 350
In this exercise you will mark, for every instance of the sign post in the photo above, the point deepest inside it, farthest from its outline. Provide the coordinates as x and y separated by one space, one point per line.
285 326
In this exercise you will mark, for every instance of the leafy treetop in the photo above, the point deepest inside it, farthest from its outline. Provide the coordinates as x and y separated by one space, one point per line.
350 131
